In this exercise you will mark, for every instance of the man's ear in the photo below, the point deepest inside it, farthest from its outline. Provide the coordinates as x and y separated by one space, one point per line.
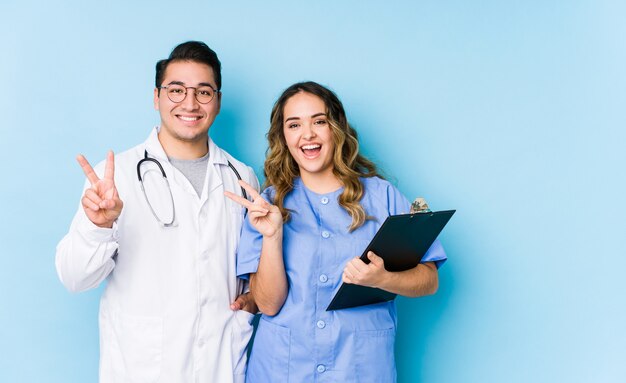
156 98
219 101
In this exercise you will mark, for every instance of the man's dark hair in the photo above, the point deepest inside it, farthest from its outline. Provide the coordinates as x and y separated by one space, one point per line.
195 51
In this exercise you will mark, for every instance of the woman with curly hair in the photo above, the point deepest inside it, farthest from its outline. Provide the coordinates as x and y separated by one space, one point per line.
322 204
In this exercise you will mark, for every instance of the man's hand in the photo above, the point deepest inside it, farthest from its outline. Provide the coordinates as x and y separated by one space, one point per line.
245 302
101 202
372 274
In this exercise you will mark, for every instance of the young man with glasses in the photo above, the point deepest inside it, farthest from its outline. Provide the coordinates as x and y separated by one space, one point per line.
154 222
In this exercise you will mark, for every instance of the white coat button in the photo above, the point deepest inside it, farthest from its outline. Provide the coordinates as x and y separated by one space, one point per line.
323 278
200 342
324 200
325 234
321 368
321 324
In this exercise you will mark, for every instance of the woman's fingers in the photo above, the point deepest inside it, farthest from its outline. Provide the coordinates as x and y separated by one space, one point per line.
240 200
259 204
256 197
356 266
252 191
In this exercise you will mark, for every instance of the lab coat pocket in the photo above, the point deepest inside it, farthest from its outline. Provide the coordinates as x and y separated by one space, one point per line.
375 361
237 215
237 209
269 361
140 340
244 319
241 333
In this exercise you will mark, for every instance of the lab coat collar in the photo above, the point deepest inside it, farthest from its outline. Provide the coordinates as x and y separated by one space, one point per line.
153 146
216 155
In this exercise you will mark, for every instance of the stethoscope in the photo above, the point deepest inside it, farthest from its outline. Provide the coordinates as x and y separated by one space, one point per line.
154 160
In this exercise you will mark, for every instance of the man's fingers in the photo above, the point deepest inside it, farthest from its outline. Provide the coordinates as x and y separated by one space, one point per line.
88 204
87 169
244 302
107 204
93 196
241 301
109 168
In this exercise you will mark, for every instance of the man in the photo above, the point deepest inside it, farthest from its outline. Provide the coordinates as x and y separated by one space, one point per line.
157 226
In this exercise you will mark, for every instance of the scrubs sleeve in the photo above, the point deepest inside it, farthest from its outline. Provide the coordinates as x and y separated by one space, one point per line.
396 201
398 204
249 249
435 254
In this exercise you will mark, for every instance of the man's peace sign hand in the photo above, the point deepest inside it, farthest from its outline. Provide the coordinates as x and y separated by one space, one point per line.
101 202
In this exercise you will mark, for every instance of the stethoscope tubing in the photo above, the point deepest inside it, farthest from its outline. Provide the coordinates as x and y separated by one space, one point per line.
154 160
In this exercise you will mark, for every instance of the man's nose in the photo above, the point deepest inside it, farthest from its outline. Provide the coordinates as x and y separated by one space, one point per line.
190 101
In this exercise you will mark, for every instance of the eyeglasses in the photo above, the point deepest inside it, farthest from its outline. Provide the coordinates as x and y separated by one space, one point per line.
177 93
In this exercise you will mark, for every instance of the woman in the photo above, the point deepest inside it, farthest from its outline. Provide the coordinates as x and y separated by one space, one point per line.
305 232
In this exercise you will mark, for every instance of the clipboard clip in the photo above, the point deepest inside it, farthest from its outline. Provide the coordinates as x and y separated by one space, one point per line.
419 205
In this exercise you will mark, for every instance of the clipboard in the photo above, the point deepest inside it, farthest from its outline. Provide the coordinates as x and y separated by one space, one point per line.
401 241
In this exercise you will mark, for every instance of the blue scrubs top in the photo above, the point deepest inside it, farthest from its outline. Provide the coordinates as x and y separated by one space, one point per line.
304 342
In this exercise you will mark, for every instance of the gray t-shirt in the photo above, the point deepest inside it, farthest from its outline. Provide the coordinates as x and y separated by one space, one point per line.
194 170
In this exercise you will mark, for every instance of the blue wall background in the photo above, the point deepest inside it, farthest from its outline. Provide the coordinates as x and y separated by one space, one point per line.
512 112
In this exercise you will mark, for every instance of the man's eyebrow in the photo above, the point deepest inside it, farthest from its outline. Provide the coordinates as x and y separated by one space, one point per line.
175 82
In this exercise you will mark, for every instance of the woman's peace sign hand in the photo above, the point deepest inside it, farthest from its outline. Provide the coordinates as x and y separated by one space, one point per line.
264 216
101 202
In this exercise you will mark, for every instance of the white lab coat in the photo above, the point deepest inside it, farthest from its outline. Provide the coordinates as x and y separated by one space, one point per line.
164 314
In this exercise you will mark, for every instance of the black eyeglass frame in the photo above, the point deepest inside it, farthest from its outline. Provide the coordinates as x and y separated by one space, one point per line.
195 92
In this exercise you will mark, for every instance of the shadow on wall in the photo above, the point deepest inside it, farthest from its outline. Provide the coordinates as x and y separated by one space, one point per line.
232 133
418 320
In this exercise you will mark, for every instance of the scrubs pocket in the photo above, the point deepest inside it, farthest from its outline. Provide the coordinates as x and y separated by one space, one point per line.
374 357
140 339
269 360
